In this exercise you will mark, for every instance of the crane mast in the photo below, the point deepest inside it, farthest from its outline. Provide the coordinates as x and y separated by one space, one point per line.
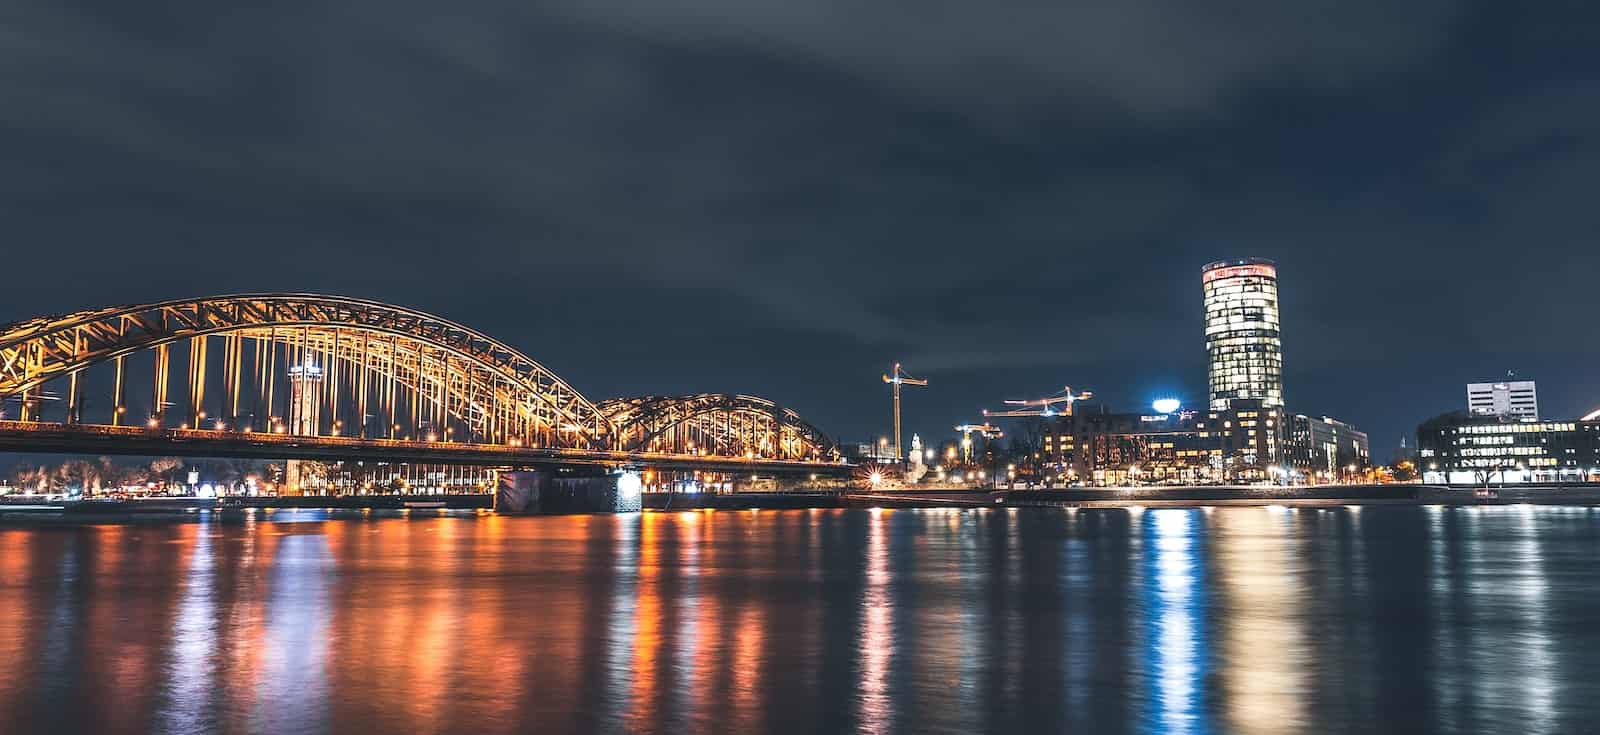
896 379
988 431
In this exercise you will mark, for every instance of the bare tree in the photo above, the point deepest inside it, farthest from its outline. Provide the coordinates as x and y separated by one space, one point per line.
1026 448
78 474
164 469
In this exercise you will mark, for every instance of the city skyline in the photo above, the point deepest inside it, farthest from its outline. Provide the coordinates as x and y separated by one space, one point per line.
735 217
760 366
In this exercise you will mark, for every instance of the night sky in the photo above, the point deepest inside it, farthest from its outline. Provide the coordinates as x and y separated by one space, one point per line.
783 198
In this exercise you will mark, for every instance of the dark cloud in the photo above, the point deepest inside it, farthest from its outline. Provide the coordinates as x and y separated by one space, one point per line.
783 197
1147 57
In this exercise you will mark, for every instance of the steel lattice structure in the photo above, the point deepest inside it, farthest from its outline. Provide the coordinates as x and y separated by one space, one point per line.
327 366
450 370
718 424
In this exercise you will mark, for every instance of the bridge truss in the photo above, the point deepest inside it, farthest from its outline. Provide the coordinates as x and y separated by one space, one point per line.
314 366
716 424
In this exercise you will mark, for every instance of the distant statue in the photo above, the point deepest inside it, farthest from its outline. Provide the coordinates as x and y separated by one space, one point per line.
917 469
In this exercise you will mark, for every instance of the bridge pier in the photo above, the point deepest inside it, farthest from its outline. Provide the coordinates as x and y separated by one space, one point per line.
547 492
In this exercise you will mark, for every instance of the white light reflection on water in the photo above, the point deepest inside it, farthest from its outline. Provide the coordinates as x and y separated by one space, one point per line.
186 687
1174 607
1537 679
296 641
623 615
1078 644
1490 594
1442 592
970 666
877 636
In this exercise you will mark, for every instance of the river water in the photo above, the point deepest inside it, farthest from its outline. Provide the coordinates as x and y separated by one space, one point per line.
1235 620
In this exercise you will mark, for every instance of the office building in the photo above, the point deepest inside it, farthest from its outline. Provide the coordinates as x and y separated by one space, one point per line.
1242 333
1463 449
1326 449
1242 444
1517 399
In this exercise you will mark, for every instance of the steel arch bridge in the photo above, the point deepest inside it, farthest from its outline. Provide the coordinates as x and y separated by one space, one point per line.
298 366
716 424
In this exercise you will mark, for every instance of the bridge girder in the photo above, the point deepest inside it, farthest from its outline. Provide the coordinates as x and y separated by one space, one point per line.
716 423
470 371
461 376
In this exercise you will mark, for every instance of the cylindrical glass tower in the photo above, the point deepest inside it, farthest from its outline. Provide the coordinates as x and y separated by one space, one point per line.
1242 334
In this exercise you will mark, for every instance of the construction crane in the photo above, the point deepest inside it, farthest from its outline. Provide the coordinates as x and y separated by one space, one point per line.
897 379
1042 406
988 431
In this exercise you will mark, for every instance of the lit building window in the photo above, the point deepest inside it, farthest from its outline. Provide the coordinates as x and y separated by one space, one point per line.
1242 332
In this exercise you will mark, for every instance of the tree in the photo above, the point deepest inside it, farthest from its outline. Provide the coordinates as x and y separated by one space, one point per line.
35 478
77 474
1403 471
164 469
112 475
1026 449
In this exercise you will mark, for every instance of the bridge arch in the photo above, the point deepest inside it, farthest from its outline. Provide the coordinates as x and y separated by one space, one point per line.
452 373
716 423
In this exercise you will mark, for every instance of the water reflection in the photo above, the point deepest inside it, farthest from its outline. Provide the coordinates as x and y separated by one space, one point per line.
1263 639
186 685
294 649
877 637
1177 621
1176 611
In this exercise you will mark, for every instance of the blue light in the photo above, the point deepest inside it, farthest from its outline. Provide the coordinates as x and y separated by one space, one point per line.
1166 405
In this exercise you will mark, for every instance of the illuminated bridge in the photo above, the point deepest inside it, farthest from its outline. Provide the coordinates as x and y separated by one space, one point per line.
303 376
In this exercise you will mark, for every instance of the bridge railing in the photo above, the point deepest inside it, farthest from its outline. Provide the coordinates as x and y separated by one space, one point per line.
290 440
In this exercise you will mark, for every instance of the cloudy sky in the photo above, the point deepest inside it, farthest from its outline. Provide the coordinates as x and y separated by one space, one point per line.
782 198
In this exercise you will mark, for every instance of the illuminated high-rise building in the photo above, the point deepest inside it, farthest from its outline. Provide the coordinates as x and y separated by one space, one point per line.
1242 335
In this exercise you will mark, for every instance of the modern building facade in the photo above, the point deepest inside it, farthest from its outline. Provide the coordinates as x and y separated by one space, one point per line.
1243 336
1241 444
1463 449
1517 399
1326 449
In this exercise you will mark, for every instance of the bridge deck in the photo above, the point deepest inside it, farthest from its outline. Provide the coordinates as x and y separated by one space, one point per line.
57 438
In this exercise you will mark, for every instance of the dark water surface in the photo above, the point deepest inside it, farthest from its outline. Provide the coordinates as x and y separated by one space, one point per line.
1243 620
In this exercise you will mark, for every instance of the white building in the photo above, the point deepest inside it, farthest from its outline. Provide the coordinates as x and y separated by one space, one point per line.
1518 399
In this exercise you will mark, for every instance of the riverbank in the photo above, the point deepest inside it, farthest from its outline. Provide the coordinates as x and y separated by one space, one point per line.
168 510
1153 497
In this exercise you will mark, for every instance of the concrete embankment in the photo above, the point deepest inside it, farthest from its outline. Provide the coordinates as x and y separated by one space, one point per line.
1154 497
190 509
161 510
741 501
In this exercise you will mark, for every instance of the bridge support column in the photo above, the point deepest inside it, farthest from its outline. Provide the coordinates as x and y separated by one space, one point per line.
546 492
